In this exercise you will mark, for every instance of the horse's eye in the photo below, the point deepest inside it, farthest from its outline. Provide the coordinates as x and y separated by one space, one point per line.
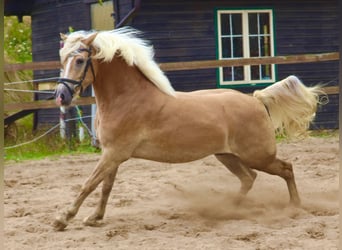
79 61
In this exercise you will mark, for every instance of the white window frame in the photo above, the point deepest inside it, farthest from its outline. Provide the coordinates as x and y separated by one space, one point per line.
246 50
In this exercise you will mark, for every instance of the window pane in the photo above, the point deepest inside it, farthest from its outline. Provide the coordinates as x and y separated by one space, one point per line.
227 74
255 72
237 47
238 73
266 72
264 20
226 51
265 46
253 23
254 46
237 24
225 24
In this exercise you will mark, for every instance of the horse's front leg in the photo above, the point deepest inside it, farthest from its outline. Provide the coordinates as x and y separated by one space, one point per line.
107 185
104 167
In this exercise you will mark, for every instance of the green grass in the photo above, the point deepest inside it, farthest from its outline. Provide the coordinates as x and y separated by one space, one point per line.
51 145
41 150
320 133
324 133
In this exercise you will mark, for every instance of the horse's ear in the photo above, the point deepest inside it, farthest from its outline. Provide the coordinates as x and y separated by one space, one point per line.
63 36
87 41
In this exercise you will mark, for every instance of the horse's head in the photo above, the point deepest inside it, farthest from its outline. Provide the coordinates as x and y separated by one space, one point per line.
78 70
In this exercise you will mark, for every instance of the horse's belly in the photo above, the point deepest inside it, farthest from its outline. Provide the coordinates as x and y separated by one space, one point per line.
170 156
182 148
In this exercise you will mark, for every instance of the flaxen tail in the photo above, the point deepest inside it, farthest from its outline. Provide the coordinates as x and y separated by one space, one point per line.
291 105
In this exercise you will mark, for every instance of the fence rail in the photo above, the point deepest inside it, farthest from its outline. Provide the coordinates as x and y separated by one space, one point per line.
205 64
171 66
303 58
49 65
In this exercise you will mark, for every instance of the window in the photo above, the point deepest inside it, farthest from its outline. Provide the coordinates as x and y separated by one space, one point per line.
245 34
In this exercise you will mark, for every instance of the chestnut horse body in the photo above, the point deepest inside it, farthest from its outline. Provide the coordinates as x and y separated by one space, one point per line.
140 115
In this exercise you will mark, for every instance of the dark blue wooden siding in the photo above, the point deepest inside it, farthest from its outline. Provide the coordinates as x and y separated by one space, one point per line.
185 31
122 8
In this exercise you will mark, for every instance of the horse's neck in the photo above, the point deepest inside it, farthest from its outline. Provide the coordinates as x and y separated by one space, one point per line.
117 84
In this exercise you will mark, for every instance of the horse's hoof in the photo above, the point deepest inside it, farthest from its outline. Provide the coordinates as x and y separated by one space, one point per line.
89 221
59 224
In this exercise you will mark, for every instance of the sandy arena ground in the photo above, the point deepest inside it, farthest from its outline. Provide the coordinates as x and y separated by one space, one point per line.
180 206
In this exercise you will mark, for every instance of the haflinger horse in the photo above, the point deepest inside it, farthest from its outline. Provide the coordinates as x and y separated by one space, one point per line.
140 115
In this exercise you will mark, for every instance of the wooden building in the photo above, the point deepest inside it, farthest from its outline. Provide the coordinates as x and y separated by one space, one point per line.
206 30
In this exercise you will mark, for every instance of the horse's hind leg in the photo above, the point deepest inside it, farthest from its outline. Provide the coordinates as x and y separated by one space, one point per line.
107 185
284 170
244 173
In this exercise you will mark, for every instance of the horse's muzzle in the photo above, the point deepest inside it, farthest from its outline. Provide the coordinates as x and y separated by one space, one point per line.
63 95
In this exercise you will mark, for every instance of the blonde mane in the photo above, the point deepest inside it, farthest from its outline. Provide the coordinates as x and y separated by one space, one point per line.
125 43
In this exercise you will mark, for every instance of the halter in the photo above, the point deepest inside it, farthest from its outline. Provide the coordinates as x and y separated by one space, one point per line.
76 84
